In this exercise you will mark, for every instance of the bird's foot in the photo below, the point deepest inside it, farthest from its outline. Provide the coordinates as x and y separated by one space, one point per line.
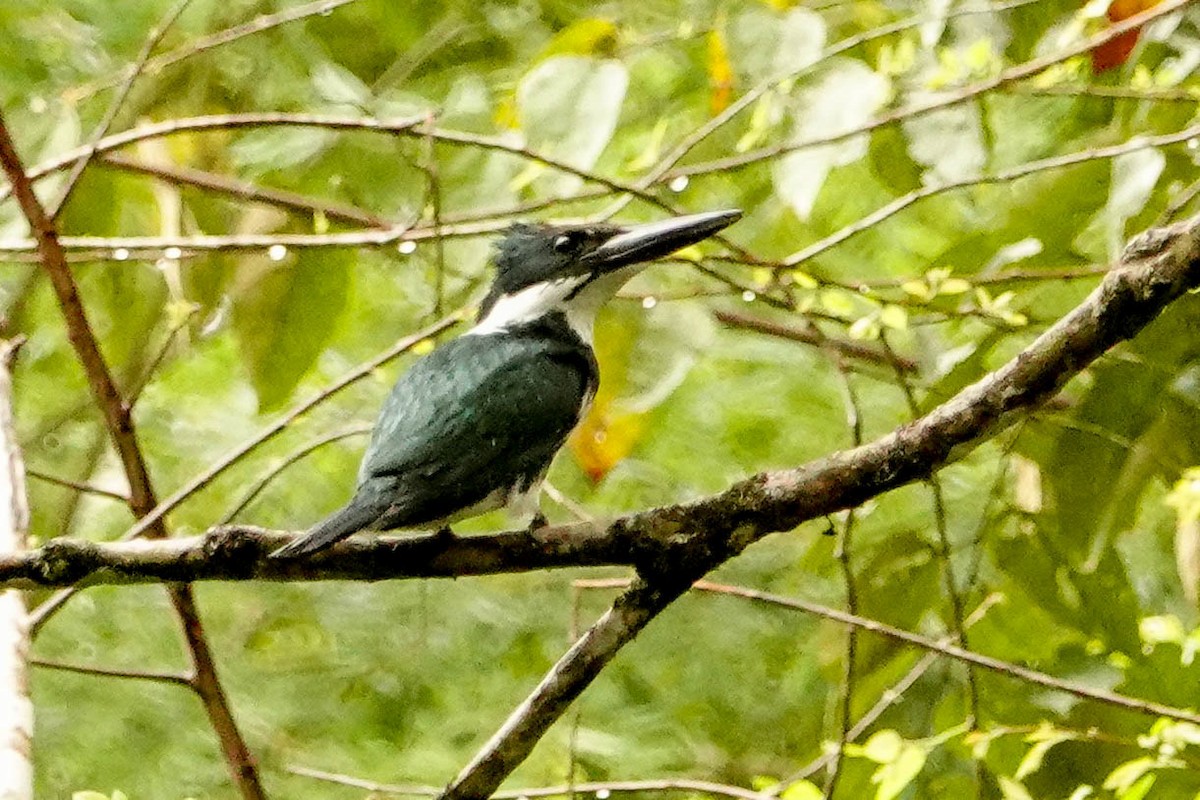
444 535
539 521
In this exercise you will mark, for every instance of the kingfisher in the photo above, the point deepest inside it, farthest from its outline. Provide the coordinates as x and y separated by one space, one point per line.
474 425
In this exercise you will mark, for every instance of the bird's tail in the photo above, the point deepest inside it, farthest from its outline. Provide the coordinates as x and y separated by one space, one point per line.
352 517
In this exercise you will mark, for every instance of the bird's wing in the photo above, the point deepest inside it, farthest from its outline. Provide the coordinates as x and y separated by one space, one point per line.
475 416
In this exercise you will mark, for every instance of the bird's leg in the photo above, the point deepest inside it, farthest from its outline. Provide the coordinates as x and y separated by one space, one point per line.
445 535
539 521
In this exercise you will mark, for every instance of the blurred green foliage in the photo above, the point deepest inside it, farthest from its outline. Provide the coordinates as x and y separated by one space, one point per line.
1065 519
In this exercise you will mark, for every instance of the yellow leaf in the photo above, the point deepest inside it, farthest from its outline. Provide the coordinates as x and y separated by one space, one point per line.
592 36
803 280
604 438
954 286
894 317
720 73
918 289
505 115
883 747
866 328
837 302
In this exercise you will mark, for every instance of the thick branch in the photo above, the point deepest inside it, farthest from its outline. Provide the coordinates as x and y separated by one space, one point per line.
240 553
1159 267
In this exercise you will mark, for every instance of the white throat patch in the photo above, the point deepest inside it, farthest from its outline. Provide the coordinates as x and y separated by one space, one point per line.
540 299
527 305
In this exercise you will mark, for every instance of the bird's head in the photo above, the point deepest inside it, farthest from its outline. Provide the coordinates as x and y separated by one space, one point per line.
574 269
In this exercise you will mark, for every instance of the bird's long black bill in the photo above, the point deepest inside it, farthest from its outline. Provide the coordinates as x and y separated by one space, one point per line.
653 240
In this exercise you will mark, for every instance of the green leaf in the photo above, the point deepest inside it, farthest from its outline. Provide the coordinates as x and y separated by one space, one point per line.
336 84
1185 495
948 142
585 37
894 317
1125 776
883 747
1139 789
285 316
568 108
846 96
894 778
277 148
1012 790
1032 761
802 790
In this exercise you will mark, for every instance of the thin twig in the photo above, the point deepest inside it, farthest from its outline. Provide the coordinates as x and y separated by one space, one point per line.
943 549
135 392
1156 94
414 127
593 787
246 190
176 678
854 420
78 486
1178 203
275 471
582 662
847 348
689 143
959 654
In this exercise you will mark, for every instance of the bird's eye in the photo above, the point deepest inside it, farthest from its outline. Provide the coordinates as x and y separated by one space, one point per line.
566 243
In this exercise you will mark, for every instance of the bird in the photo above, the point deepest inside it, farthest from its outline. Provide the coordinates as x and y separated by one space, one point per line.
474 425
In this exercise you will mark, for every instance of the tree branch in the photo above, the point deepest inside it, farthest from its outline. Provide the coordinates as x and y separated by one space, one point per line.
238 553
1159 267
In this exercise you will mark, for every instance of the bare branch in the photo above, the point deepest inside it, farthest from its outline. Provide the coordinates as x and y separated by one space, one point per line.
277 469
85 488
847 348
112 672
245 190
239 552
613 787
895 206
524 728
